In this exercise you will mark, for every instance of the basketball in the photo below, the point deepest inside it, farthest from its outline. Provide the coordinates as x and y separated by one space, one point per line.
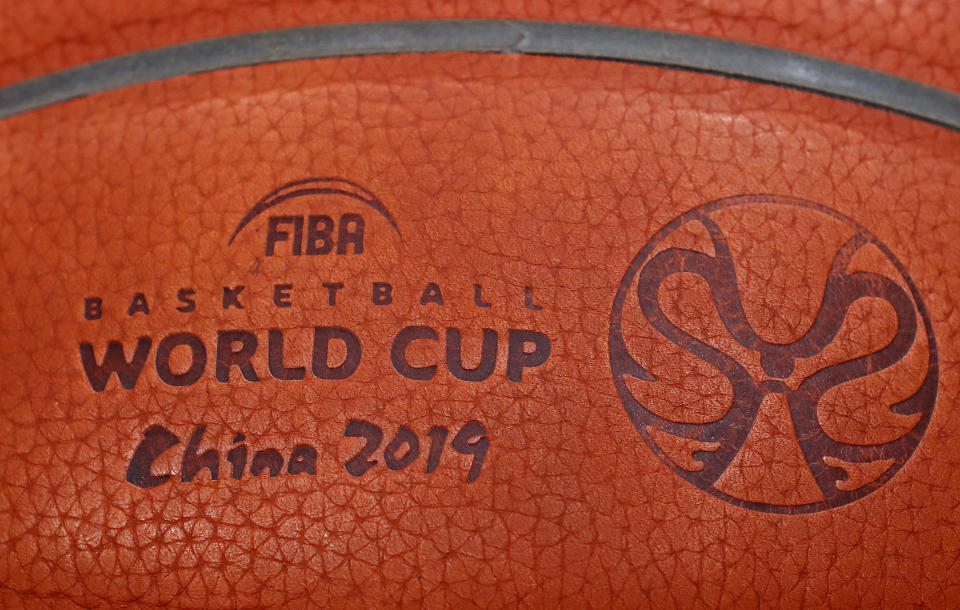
463 305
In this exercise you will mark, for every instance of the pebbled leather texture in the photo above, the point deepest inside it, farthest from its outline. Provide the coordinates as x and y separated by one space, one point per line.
502 171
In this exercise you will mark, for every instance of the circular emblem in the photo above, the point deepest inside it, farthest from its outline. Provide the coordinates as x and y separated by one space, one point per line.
774 353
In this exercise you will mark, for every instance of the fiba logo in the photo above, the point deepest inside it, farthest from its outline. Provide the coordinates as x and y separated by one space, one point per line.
774 353
315 234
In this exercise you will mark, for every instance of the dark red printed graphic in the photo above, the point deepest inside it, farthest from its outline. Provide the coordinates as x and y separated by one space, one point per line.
314 234
156 457
774 353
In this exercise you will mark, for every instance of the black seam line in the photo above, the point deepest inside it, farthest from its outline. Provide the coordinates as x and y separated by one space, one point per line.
578 40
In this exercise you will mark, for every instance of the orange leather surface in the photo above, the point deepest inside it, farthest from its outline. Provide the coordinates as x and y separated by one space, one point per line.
914 38
502 171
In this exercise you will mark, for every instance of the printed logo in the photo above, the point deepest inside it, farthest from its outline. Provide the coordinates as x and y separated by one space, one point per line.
774 353
314 234
294 300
